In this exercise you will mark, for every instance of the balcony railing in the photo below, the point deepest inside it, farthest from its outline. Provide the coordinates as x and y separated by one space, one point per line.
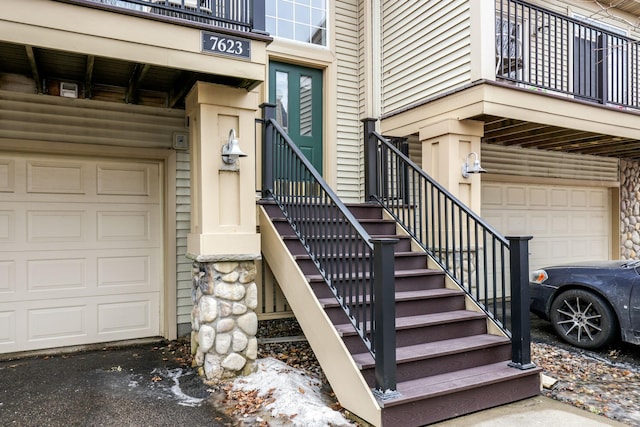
236 15
544 50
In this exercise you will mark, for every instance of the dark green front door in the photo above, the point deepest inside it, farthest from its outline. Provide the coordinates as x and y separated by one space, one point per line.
297 93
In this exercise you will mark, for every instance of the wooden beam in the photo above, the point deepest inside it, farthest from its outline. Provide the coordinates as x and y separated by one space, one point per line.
33 63
137 75
88 77
183 83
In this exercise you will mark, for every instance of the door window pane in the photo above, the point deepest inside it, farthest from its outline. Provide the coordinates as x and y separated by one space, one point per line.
305 106
282 97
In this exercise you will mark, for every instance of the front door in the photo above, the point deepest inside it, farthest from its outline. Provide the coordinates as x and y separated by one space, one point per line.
297 93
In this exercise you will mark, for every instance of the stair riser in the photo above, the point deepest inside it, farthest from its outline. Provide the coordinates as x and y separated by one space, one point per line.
413 307
425 334
366 212
439 408
296 248
444 364
401 263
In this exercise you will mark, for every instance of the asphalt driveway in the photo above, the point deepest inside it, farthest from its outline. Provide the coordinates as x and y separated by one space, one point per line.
143 385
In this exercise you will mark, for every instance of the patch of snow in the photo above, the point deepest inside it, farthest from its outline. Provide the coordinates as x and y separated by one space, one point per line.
183 399
297 397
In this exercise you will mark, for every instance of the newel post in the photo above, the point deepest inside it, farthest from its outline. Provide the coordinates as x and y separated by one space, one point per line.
520 320
370 159
268 113
384 317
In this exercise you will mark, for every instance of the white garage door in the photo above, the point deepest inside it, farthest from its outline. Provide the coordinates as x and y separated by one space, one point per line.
567 223
80 250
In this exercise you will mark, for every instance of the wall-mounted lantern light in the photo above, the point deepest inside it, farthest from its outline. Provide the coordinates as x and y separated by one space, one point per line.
476 168
231 150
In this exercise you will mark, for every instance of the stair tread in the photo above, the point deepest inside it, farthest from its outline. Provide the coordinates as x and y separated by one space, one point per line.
436 349
404 296
436 385
399 273
421 320
400 254
367 220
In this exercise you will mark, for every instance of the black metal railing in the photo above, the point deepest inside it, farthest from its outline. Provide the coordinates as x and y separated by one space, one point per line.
237 15
544 50
358 268
468 249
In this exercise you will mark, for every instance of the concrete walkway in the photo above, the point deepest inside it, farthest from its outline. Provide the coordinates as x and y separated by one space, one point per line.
538 411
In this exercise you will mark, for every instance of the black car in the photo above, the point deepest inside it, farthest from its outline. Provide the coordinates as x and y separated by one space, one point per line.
589 304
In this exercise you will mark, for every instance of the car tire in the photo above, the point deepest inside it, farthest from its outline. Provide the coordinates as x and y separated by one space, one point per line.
583 319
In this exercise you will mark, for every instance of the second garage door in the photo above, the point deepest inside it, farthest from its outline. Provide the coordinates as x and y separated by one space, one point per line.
80 250
568 223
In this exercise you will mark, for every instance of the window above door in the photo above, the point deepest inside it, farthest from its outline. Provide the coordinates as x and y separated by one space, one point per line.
300 20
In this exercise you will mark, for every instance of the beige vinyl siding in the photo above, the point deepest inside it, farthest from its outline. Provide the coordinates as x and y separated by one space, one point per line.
426 50
183 225
349 140
548 164
57 119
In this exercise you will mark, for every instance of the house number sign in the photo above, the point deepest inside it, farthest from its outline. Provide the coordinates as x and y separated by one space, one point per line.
223 44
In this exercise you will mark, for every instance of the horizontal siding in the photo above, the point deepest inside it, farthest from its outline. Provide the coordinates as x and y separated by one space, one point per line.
183 225
426 50
548 164
58 119
349 167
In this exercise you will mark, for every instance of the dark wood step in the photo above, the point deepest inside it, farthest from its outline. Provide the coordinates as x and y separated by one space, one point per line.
402 261
365 210
408 303
413 330
337 226
436 398
405 280
440 357
296 248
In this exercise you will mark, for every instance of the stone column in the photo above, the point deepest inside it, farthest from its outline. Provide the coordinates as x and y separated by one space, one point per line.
223 242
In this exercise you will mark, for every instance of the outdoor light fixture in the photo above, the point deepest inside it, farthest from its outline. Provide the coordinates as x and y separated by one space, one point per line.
476 168
231 150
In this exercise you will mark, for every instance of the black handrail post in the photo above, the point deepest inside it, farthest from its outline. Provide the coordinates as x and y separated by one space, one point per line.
370 160
258 17
268 113
520 320
384 317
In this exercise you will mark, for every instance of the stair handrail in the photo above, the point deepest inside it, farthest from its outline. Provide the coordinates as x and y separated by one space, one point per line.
394 181
312 209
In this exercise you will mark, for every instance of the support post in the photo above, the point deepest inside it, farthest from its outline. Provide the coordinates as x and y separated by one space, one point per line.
268 113
520 320
258 17
384 317
370 160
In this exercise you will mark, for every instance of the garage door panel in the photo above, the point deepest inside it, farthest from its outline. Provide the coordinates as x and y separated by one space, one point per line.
7 327
61 323
132 271
7 226
80 250
7 276
128 317
568 223
7 174
56 225
46 176
124 225
56 274
133 180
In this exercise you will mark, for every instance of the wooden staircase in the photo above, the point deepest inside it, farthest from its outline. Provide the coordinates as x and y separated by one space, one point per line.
448 362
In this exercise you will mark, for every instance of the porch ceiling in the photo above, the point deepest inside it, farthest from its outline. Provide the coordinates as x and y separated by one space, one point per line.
102 78
508 131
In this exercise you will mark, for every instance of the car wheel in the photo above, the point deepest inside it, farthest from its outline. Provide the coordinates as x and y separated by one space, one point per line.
583 319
